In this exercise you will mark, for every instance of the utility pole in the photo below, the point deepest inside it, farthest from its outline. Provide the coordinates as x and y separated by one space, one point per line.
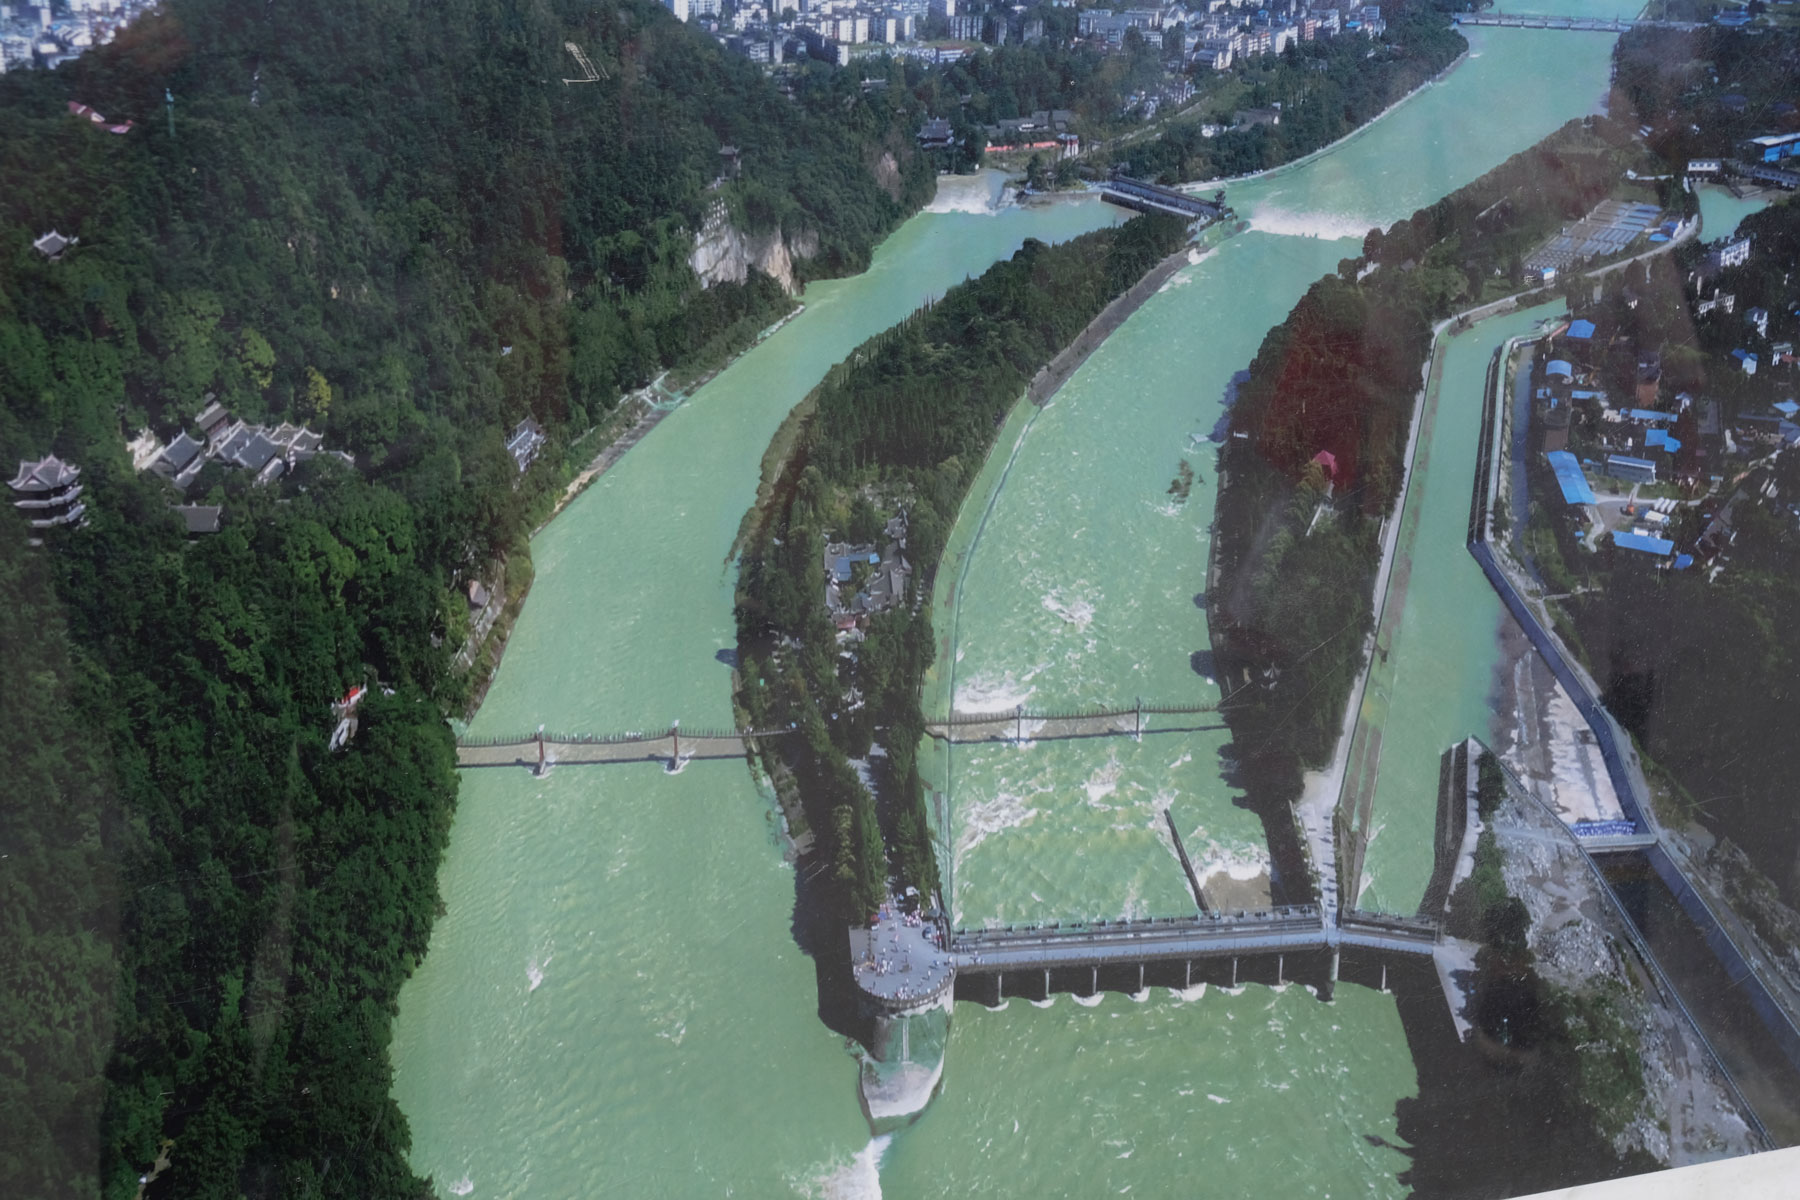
169 102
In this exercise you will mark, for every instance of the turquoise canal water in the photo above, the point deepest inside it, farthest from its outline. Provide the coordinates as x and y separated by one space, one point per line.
1442 657
613 1002
1720 211
1086 583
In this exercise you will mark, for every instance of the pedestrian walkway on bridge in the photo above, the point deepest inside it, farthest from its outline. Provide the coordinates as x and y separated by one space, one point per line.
1571 24
676 744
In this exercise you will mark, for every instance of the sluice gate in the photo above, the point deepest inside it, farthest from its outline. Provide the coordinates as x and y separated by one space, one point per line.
1277 945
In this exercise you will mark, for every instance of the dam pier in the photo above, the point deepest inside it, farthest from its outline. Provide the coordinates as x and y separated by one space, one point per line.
1226 948
911 968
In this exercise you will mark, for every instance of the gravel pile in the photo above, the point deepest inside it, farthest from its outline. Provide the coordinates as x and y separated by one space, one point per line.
1581 945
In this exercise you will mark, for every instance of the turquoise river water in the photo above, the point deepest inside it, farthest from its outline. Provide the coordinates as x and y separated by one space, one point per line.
613 1003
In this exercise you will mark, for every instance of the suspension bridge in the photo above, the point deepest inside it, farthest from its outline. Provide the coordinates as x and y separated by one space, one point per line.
677 744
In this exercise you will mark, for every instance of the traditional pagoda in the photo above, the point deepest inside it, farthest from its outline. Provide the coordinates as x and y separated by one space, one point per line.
52 245
48 492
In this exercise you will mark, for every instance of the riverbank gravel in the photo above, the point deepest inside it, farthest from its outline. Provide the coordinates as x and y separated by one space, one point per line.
1580 944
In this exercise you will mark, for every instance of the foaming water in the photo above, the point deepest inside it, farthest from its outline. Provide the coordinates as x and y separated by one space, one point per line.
1059 619
677 1051
999 692
1026 1085
1074 611
1328 226
981 193
981 819
857 1179
675 1047
1264 1076
1103 782
534 972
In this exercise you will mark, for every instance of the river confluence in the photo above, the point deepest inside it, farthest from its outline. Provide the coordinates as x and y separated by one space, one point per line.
614 1003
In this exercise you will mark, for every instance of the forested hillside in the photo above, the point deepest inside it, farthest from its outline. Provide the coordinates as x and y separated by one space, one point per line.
902 426
1701 93
398 225
1325 89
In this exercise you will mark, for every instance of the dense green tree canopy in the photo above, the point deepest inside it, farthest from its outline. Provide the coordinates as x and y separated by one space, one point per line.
910 416
399 225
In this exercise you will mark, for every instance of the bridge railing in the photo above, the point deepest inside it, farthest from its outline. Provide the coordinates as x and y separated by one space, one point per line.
1258 918
614 739
1416 928
1074 714
1102 712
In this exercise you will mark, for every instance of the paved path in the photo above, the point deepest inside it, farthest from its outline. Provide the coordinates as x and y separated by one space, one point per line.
1399 533
1355 768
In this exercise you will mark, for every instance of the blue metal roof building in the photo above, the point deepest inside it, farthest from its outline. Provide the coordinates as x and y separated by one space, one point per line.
1659 439
1581 330
1638 470
1574 484
1649 415
1557 366
1643 542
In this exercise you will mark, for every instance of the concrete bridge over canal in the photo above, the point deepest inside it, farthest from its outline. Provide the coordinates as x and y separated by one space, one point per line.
904 966
1570 24
1266 938
679 744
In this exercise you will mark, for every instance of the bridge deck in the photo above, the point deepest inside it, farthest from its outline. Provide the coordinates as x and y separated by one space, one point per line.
1142 717
1571 24
1264 932
1617 843
1012 727
656 748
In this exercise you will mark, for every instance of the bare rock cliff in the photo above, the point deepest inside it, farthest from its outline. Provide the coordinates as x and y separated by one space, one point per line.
724 254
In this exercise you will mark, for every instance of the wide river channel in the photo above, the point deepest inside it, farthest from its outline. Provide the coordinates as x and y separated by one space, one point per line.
614 1004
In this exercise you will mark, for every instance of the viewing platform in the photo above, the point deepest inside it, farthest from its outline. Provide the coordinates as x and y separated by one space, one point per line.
899 963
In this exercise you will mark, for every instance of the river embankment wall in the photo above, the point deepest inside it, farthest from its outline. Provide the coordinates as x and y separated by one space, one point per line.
1609 737
991 479
1218 181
